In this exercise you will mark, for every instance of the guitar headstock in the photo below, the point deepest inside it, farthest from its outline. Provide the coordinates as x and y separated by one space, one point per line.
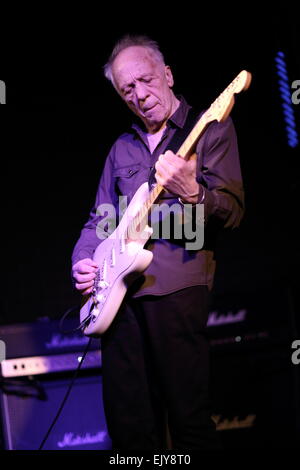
221 107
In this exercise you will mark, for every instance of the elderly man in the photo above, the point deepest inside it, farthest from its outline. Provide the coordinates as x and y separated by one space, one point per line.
155 354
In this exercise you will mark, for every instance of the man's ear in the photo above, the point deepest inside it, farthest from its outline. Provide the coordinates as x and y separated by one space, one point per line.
169 76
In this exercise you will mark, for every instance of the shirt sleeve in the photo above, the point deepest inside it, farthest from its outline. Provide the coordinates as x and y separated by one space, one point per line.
219 172
102 218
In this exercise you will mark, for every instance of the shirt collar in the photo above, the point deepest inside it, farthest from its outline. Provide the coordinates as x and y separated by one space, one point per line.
180 115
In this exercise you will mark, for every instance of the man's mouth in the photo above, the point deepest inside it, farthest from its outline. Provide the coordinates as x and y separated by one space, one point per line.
146 110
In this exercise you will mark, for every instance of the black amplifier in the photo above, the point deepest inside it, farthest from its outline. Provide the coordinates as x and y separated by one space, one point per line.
41 347
246 320
37 366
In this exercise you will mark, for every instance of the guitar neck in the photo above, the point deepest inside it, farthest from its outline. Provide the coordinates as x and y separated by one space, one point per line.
219 110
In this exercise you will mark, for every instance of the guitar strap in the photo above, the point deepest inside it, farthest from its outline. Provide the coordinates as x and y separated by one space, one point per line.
178 138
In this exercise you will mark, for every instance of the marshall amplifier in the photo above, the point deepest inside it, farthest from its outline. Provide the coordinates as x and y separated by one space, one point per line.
255 385
251 320
43 338
38 366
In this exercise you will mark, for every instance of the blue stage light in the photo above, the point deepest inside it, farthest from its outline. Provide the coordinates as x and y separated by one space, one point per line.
285 93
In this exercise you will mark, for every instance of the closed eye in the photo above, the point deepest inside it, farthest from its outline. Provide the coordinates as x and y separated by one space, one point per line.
127 91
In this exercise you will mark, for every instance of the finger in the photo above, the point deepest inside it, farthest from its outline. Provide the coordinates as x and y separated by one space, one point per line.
84 277
84 269
84 285
87 291
160 179
169 166
90 262
162 169
172 159
85 262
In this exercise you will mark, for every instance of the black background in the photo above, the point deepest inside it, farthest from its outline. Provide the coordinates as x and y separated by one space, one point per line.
62 116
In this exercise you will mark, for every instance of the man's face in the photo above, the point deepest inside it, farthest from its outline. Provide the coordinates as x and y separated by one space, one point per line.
145 85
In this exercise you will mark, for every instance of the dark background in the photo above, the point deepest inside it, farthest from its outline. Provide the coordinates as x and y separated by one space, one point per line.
61 118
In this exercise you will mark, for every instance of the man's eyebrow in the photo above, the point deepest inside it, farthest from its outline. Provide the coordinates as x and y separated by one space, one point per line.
139 77
146 74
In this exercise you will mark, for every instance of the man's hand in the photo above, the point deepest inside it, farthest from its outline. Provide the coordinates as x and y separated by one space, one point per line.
178 176
84 274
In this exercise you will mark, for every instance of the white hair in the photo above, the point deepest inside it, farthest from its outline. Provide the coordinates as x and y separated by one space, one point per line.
129 41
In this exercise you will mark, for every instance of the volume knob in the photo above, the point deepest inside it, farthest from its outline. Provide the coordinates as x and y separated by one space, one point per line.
102 284
100 297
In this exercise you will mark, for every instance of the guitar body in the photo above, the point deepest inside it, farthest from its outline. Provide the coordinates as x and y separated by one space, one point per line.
120 261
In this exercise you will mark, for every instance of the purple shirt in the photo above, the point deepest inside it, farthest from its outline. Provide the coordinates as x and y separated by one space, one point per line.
128 165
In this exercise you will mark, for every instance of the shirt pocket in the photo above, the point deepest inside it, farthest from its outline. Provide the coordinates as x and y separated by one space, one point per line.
126 172
128 179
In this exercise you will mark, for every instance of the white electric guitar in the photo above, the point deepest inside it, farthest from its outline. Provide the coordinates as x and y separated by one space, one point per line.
121 257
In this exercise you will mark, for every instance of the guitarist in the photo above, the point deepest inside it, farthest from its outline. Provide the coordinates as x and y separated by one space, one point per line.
155 353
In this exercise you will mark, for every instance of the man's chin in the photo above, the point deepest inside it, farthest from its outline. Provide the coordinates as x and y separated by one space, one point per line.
153 123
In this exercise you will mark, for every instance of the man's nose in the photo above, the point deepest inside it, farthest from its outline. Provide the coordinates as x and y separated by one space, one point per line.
141 92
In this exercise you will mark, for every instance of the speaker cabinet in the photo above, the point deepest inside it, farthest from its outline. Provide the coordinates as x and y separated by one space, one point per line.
256 398
29 405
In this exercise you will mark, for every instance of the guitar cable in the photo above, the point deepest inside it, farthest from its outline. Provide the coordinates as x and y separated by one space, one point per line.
79 327
73 378
66 396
